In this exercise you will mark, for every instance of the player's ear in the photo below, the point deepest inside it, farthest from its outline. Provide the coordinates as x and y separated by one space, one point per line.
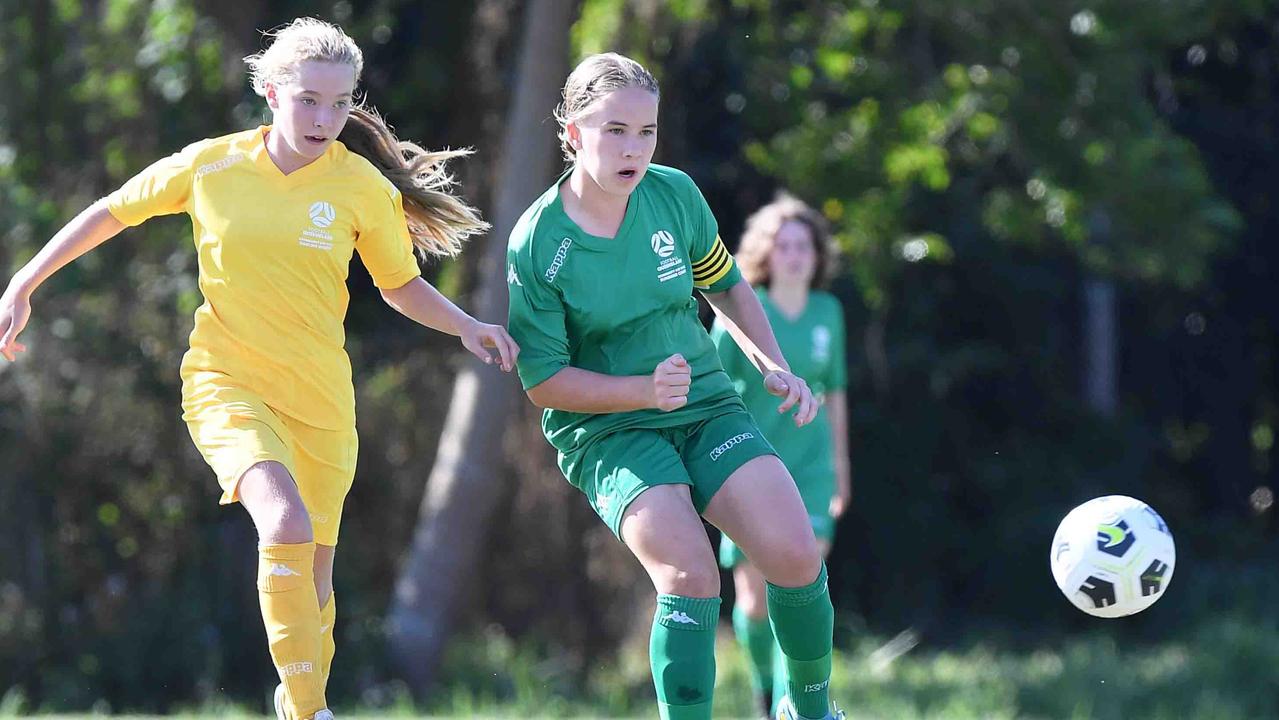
272 97
574 135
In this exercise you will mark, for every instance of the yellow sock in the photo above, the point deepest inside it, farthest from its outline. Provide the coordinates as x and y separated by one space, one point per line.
291 614
328 616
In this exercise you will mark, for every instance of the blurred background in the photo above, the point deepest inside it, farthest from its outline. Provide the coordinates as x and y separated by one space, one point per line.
1053 219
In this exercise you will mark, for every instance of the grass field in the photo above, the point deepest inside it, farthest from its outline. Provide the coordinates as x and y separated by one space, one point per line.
1223 670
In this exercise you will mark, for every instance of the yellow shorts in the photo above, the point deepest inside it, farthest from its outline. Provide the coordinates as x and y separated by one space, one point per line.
234 430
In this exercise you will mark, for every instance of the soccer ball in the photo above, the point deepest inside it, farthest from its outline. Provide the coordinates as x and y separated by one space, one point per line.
1113 556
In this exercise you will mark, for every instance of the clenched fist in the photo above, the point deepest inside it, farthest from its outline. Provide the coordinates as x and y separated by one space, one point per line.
671 380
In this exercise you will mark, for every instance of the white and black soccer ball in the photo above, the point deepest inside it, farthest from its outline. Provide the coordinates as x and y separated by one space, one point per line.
1113 556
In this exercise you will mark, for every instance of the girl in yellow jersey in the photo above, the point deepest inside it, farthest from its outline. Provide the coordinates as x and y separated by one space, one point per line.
277 213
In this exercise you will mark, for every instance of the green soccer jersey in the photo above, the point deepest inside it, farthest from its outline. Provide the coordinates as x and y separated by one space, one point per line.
620 305
813 345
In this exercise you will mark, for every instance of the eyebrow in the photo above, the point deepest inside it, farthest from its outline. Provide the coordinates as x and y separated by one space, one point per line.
317 92
619 122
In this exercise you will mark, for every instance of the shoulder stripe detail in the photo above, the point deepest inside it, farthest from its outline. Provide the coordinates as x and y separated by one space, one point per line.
714 266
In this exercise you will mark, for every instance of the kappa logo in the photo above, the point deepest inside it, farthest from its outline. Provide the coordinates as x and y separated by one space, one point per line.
558 261
663 243
513 278
322 214
297 668
219 165
282 570
680 617
729 444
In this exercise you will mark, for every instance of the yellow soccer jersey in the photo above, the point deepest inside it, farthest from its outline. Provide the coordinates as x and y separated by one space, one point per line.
274 251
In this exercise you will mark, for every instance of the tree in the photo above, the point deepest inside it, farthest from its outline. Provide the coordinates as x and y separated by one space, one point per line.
467 479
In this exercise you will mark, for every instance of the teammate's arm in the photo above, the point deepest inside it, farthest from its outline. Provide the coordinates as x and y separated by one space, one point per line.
423 304
92 227
584 391
743 317
837 411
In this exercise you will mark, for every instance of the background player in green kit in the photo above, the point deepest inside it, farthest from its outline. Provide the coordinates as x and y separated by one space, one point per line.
784 253
647 424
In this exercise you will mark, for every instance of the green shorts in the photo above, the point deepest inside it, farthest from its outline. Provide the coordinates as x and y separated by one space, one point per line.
613 470
823 528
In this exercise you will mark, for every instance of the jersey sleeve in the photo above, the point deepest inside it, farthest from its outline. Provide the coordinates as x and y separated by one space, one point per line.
838 379
383 242
713 267
732 358
535 316
163 188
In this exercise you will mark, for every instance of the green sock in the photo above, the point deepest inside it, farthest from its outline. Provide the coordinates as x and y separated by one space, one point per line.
779 678
804 622
756 640
682 653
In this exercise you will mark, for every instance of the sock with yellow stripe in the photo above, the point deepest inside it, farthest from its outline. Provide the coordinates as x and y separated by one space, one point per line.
328 618
291 615
804 622
682 653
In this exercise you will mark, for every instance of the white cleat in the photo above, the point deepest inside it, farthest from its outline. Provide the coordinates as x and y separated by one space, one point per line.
786 711
280 713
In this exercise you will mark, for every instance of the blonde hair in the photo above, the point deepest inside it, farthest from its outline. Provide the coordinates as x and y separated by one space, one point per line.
592 79
438 221
293 44
761 233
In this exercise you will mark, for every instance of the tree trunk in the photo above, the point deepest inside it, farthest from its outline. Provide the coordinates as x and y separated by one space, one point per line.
1100 346
1101 335
465 483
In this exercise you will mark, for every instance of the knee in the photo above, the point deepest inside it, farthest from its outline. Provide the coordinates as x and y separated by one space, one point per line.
753 602
795 561
287 524
268 492
697 580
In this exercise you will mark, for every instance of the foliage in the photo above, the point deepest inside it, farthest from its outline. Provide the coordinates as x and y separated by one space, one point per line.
979 161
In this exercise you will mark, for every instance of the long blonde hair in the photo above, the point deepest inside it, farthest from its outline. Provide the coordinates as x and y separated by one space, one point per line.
438 221
592 79
761 233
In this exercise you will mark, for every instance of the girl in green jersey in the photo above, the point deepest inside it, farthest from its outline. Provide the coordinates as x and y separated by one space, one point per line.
785 252
601 271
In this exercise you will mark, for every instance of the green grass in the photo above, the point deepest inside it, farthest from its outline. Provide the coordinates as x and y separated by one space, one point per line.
1224 669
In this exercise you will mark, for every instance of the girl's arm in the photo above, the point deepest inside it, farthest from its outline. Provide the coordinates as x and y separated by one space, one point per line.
423 304
92 227
837 410
744 319
584 391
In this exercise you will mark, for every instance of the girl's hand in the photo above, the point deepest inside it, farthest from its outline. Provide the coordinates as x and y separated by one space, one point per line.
480 338
796 393
15 310
671 380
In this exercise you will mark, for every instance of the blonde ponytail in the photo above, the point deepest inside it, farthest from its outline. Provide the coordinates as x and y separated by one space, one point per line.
438 220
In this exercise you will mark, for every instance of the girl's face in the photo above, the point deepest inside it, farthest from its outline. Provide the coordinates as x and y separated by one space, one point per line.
793 260
614 141
310 111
